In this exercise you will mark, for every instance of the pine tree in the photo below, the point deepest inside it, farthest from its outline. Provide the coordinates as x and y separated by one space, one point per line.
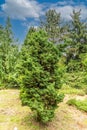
1 50
40 76
8 32
77 40
78 36
8 51
51 24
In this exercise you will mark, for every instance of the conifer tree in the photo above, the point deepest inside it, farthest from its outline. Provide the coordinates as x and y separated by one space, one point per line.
77 41
77 36
51 24
39 75
8 51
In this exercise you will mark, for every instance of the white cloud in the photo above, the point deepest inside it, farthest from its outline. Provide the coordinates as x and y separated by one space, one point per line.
22 9
66 10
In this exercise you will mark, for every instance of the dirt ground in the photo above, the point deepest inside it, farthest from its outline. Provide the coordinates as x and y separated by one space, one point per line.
14 116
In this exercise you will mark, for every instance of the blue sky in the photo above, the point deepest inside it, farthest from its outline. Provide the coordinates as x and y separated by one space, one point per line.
26 13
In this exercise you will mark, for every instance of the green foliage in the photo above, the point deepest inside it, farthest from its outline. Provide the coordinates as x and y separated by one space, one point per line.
51 24
83 58
81 105
74 65
8 53
78 38
76 79
40 75
72 90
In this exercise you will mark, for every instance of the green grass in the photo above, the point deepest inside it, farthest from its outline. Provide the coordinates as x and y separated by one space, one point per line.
69 90
81 105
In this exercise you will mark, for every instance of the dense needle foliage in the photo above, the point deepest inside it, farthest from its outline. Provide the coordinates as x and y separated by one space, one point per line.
8 54
40 76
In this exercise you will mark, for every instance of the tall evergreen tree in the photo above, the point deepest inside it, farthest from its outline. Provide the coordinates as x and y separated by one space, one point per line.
8 31
8 51
51 24
1 50
77 36
39 75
